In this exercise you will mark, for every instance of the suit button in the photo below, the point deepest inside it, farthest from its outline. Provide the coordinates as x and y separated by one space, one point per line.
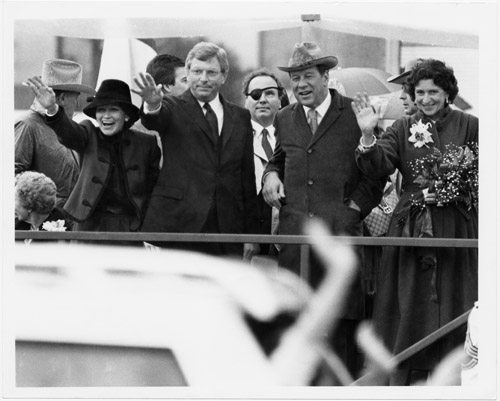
310 182
311 214
309 151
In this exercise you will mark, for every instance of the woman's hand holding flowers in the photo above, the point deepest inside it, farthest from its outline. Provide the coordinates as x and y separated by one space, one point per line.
429 197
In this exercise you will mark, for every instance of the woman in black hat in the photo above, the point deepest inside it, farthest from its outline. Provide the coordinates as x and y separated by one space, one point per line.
118 165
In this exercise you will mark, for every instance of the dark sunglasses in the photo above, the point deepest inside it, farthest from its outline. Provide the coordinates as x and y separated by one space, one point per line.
257 93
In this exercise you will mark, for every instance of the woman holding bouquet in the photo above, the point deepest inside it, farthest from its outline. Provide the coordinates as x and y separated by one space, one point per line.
422 289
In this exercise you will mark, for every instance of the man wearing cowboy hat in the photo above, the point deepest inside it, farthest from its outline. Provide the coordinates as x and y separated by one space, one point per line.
313 174
36 144
409 105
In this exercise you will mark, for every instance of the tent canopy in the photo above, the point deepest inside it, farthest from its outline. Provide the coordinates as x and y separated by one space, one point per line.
446 24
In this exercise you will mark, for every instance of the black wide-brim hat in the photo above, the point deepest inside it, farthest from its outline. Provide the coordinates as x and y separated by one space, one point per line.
401 78
113 91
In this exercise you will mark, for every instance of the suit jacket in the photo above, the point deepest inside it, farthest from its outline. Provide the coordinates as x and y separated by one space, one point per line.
320 176
140 157
198 173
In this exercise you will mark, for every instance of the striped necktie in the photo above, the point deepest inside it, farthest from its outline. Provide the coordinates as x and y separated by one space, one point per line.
312 120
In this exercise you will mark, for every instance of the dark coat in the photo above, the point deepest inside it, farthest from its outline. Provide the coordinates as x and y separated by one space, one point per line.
140 156
421 289
320 176
196 172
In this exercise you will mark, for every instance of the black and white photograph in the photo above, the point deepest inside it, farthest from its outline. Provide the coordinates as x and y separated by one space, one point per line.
249 200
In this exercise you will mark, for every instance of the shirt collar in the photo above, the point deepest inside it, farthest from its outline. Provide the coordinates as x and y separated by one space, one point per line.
257 128
323 107
215 104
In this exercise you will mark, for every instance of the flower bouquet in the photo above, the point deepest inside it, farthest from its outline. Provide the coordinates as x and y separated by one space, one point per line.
452 175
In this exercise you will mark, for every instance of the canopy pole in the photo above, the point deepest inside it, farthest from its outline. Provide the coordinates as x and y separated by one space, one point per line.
310 22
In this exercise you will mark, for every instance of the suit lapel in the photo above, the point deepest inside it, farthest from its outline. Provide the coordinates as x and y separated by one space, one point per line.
303 130
196 113
229 122
259 152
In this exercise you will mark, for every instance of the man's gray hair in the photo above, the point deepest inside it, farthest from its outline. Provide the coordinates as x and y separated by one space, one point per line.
205 51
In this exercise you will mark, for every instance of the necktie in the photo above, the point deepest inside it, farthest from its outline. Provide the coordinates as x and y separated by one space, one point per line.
266 145
312 119
212 120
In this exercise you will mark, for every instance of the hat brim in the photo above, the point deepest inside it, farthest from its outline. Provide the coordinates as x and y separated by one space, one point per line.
400 78
329 62
129 109
74 88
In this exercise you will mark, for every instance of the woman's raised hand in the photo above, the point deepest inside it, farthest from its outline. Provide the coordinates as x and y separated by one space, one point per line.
366 114
148 90
44 94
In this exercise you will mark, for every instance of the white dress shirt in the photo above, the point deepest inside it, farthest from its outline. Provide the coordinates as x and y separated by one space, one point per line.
260 158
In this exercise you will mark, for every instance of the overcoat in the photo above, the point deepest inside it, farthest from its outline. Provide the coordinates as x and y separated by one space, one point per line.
421 289
140 157
37 149
320 176
200 169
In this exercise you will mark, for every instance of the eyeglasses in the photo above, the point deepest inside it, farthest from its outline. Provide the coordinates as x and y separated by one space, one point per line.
257 93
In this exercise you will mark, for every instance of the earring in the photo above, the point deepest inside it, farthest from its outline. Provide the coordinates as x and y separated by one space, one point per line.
126 119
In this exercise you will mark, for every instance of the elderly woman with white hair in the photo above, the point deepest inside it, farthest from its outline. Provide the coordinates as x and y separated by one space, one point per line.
35 199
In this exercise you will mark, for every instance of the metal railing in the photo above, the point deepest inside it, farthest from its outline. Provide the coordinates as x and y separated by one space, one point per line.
303 240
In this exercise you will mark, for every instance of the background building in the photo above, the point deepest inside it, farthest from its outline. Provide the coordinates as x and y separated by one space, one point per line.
376 35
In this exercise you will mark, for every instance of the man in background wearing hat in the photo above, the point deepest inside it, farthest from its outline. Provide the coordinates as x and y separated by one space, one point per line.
36 144
207 181
409 105
313 174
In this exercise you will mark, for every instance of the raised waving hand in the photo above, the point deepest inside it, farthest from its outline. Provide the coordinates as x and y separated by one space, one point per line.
148 90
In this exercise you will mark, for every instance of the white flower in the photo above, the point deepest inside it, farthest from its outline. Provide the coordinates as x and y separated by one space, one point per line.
420 134
54 225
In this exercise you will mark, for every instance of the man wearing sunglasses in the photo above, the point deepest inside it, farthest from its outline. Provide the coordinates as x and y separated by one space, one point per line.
265 95
313 174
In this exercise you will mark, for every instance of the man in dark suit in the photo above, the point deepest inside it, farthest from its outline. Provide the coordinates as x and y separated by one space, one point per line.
265 95
207 181
313 174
